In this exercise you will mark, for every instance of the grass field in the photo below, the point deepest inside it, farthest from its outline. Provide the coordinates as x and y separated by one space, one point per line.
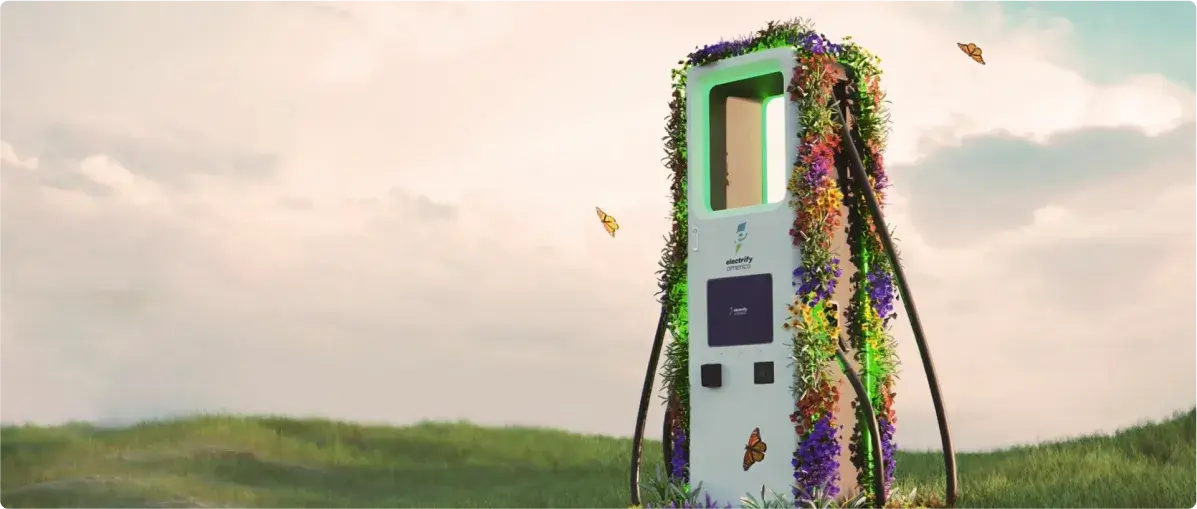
279 462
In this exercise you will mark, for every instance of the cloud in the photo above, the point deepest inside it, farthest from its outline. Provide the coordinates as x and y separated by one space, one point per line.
1000 182
9 157
1075 289
374 32
165 310
938 96
235 223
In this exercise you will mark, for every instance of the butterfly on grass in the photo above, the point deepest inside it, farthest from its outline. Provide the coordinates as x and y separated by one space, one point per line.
754 452
608 222
973 51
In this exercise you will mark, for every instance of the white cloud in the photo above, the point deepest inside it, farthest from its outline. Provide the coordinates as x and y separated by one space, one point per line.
1075 317
138 190
451 185
9 156
939 96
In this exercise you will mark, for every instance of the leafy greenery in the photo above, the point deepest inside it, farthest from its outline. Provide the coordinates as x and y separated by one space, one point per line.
663 491
222 461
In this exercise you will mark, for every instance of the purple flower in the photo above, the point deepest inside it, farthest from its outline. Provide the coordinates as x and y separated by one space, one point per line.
810 41
880 178
888 448
816 463
881 292
718 51
677 467
818 284
818 44
816 177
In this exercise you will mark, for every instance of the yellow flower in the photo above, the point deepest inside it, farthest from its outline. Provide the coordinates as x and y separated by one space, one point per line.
830 199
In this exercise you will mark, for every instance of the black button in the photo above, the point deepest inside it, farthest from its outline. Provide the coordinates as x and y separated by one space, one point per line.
711 375
762 372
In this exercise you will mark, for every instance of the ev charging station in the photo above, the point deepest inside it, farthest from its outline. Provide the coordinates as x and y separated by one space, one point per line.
740 391
742 137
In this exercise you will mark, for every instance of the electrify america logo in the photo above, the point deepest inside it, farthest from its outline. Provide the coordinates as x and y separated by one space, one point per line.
743 262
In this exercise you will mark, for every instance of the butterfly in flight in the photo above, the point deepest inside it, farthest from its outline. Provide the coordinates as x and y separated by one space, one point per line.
973 51
754 452
608 222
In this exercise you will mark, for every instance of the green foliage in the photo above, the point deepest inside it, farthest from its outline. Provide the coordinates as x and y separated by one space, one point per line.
220 461
662 491
899 499
771 500
821 501
672 274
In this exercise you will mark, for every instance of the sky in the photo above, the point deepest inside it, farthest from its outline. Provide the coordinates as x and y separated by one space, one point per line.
385 212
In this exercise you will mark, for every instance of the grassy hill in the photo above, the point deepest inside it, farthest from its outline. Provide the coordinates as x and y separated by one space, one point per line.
216 461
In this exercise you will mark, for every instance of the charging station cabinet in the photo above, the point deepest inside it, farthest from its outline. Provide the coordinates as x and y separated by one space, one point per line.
742 139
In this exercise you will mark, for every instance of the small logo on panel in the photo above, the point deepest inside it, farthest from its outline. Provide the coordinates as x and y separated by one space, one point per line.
741 263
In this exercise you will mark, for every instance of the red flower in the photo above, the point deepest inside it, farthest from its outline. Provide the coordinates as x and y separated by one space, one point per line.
815 402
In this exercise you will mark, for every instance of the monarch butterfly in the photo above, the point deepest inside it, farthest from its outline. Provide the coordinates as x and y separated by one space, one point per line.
608 221
972 50
754 452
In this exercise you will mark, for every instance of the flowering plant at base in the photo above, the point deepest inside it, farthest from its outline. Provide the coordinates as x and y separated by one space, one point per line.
816 201
678 466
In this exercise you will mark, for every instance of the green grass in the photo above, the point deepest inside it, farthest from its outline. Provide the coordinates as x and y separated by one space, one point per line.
217 461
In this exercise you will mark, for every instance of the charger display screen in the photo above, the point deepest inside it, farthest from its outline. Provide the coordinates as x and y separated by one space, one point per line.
740 310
